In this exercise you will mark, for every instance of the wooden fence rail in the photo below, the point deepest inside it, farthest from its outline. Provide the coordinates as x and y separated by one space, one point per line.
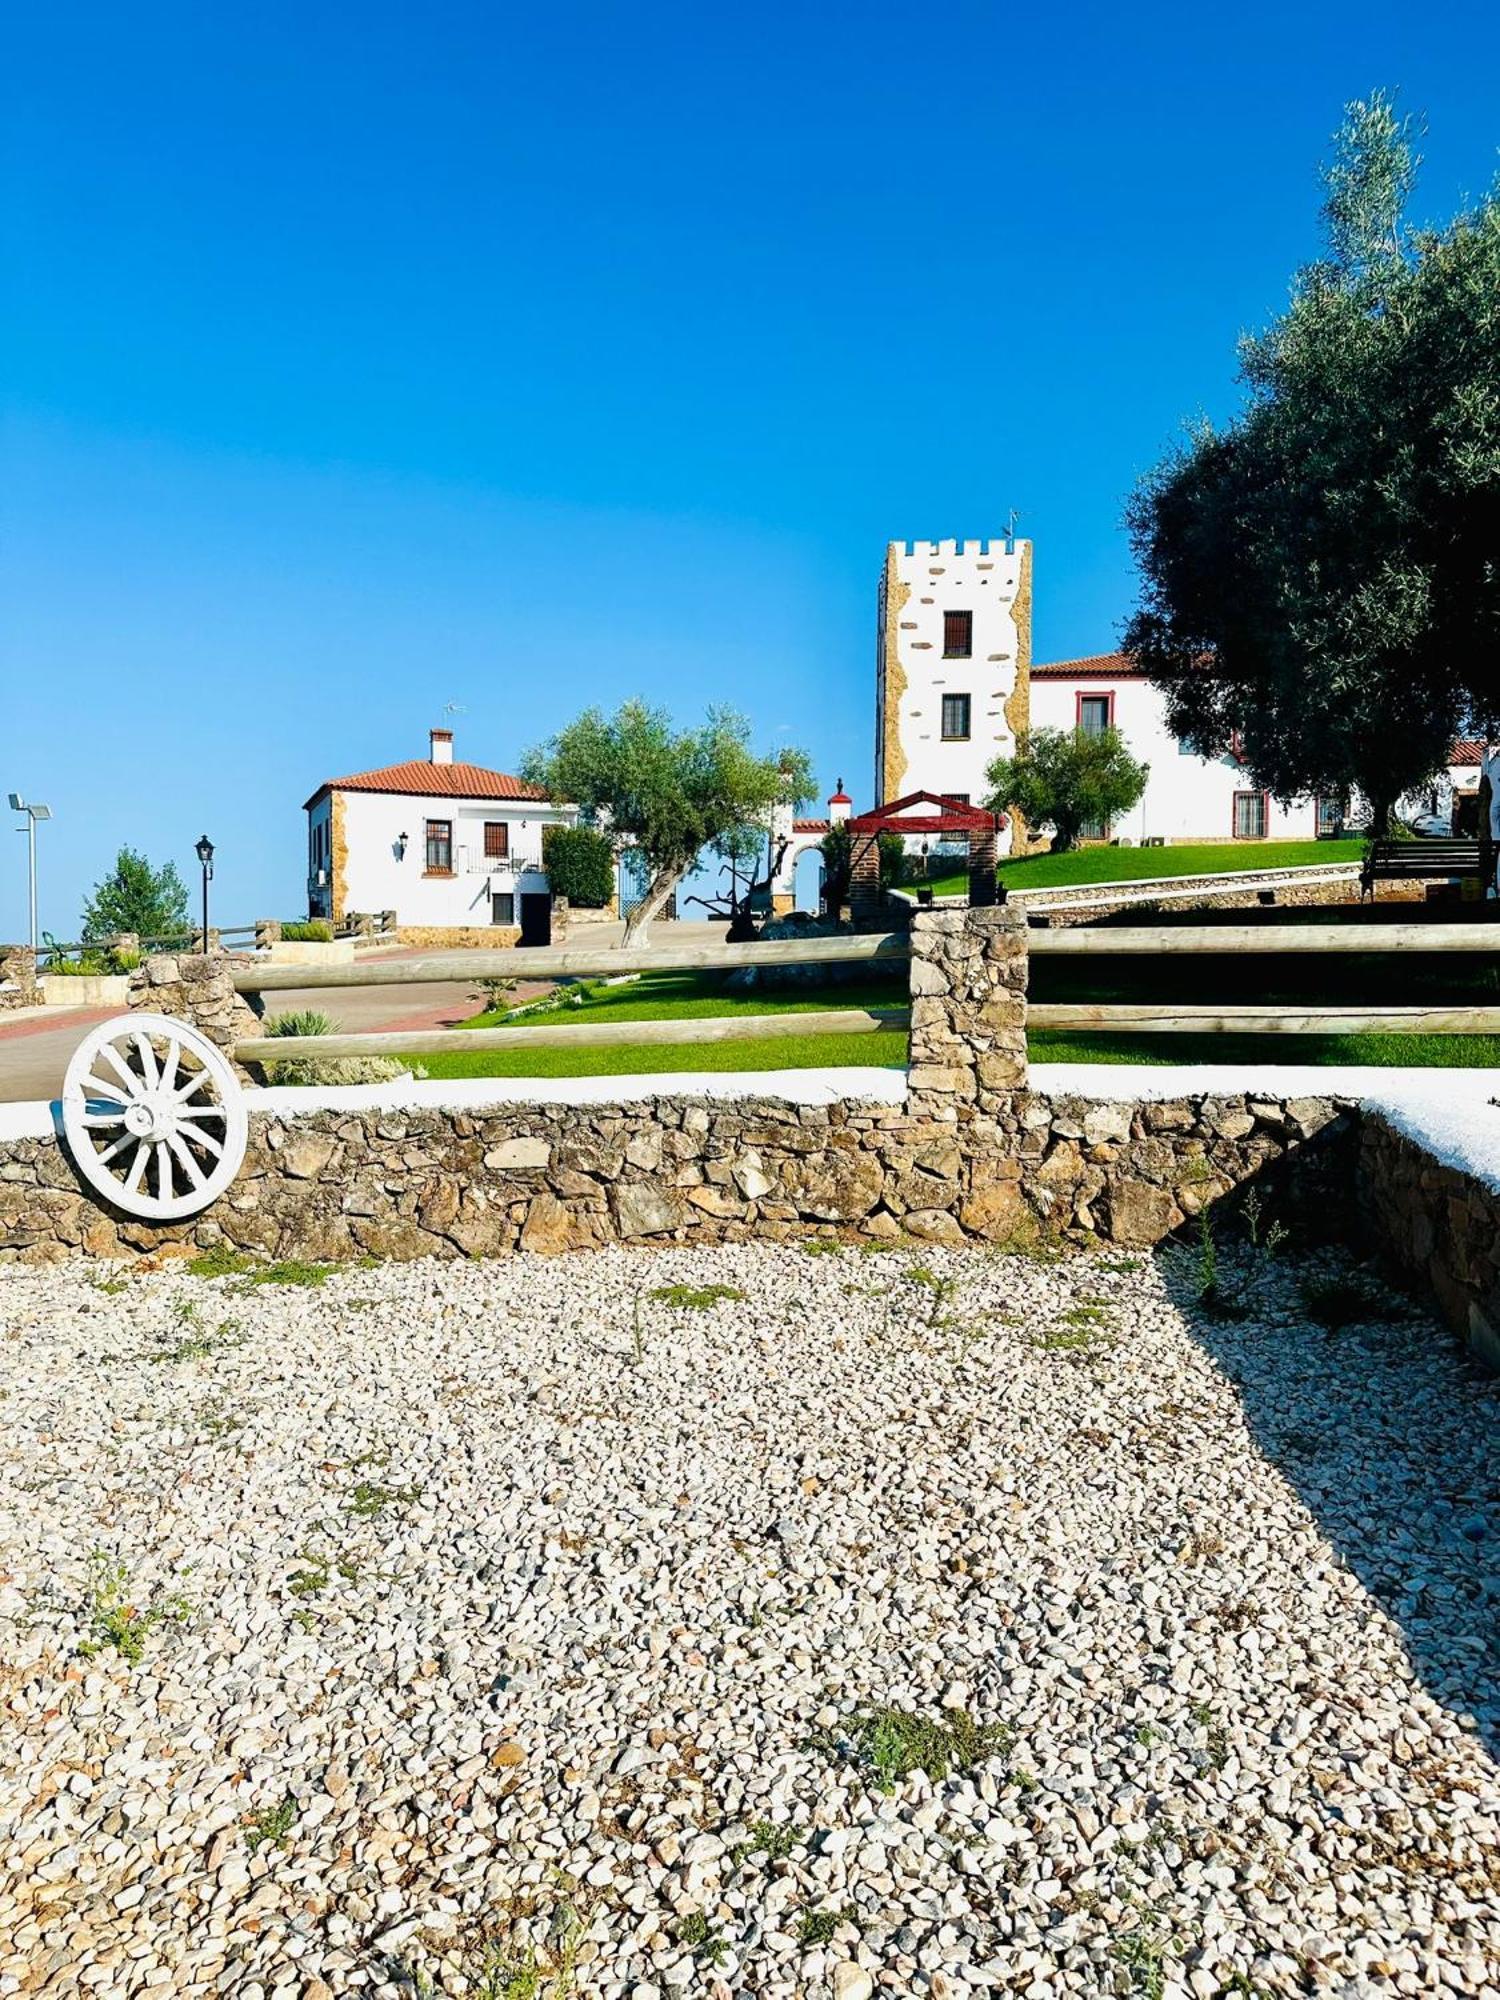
1174 1018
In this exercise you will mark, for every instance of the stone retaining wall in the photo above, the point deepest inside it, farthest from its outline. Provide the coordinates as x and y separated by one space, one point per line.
553 1177
1439 1227
17 977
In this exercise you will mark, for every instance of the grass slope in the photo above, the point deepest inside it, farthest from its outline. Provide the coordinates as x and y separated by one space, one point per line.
1085 865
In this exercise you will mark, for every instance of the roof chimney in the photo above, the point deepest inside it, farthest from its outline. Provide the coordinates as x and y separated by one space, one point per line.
442 745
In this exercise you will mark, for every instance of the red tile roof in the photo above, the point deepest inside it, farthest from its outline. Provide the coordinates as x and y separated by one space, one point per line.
448 781
1116 665
809 826
1468 750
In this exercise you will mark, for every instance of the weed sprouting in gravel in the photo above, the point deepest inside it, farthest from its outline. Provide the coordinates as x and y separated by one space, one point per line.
271 1826
775 1842
369 1499
111 1287
695 1298
894 1742
1274 1235
115 1620
222 1262
1143 1954
1217 1745
702 1938
1121 1267
821 1927
1077 1330
196 1342
822 1246
942 1291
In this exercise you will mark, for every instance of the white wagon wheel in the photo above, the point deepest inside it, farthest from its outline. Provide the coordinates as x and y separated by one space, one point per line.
154 1116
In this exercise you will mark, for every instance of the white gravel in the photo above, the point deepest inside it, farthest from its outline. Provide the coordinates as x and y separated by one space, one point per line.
503 1630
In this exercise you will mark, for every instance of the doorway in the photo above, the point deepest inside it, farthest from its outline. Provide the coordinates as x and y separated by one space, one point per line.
536 918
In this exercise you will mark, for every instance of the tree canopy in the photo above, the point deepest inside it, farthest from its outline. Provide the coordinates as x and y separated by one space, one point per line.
1321 576
671 792
134 896
1068 779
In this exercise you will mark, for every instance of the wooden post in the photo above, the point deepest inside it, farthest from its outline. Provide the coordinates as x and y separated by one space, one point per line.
968 1011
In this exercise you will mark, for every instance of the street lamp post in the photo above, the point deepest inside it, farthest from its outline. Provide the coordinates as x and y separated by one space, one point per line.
205 853
33 814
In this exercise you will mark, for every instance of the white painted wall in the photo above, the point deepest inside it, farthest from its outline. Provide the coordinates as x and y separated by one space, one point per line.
1187 797
378 877
976 576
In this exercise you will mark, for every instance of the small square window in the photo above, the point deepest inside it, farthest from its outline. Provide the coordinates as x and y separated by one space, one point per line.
496 839
958 635
955 718
503 907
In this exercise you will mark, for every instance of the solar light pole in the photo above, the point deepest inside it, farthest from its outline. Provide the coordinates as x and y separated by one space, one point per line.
33 814
205 853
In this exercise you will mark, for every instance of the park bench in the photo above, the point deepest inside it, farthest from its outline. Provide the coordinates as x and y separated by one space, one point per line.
1426 860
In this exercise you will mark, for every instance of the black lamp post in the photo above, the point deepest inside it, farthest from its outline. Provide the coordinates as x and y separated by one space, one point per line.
205 853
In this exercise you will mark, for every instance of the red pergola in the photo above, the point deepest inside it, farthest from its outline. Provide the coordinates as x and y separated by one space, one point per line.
898 816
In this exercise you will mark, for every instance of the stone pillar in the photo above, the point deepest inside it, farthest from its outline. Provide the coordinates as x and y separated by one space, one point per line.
560 912
864 877
125 941
981 870
267 932
18 987
200 991
968 1011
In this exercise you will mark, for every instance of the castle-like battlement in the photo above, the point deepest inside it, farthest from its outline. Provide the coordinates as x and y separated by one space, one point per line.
984 546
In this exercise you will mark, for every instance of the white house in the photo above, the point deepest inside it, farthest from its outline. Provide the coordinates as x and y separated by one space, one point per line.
1187 797
443 844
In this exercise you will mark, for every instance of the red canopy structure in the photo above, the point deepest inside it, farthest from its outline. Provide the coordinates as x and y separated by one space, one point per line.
944 815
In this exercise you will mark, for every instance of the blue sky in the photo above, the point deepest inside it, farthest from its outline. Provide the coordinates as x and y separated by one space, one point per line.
362 360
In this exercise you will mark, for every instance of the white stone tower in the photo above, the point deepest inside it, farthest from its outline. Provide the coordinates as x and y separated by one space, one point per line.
953 665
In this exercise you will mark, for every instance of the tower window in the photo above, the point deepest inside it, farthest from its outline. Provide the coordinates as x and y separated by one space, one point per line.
958 636
955 717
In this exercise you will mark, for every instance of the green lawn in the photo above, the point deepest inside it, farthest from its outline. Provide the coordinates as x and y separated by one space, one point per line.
698 996
1137 864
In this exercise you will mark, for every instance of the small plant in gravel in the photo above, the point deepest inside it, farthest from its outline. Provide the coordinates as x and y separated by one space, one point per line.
821 1927
1217 1745
1143 1954
369 1499
822 1246
702 1938
942 1291
894 1742
1121 1267
197 1341
271 1826
220 1262
111 1287
776 1842
695 1298
115 1620
1076 1330
1269 1240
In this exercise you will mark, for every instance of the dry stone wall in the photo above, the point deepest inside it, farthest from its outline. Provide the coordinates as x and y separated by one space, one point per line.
552 1177
18 987
1439 1227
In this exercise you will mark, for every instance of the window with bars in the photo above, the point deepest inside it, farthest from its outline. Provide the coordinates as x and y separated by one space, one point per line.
496 839
958 635
955 718
1249 815
440 847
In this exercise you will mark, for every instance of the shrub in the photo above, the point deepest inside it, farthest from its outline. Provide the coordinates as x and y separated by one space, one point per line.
580 865
316 931
328 1069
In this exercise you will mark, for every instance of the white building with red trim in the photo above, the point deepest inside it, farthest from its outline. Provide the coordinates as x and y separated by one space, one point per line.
1187 797
441 843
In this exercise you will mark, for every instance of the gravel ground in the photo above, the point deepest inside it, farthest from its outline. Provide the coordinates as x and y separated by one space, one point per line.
504 1629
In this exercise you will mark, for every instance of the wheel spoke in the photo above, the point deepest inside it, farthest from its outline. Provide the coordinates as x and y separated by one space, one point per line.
137 1168
150 1067
112 1092
125 1139
169 1067
195 1173
126 1074
96 1116
194 1083
208 1142
164 1188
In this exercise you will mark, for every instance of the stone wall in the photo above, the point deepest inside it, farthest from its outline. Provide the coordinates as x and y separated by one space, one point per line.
198 989
17 977
459 937
1438 1227
552 1177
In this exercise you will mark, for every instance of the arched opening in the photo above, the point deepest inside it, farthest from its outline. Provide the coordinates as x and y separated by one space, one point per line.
807 877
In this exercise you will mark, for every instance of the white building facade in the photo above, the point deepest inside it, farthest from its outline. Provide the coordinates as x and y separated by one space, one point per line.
1187 797
953 664
440 843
